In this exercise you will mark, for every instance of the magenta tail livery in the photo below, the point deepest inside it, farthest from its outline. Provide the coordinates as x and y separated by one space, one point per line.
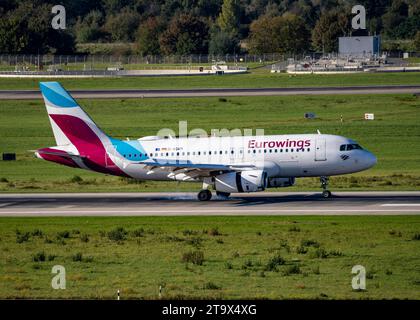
226 164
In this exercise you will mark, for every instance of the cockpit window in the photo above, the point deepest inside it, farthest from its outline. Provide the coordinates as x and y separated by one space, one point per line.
348 147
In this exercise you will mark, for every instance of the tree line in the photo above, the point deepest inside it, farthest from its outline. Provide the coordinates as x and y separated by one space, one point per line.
166 27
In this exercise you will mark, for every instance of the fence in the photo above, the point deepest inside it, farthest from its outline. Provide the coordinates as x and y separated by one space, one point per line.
10 62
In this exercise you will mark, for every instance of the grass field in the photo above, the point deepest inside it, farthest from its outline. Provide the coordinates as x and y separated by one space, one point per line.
211 257
259 78
393 136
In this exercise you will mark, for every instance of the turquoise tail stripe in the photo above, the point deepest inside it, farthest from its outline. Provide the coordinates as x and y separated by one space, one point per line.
57 95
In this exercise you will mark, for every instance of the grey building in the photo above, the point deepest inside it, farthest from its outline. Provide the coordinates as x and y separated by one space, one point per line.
359 46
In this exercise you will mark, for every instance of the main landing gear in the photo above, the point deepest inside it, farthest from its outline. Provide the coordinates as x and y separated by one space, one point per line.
324 184
204 195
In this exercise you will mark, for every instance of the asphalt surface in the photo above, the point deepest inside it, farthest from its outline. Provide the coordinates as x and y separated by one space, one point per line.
216 92
179 204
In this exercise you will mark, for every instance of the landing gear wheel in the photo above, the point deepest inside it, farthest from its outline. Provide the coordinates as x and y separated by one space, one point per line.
324 184
326 194
222 194
204 195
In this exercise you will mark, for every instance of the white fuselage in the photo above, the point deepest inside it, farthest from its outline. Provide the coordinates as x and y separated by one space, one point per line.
301 155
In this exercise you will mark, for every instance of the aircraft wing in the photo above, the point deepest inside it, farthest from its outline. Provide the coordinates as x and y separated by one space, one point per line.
189 170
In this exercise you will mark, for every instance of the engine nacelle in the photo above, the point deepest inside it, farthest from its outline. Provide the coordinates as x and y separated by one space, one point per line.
244 181
281 182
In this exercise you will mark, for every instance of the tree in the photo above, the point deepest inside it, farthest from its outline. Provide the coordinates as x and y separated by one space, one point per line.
89 28
27 29
395 15
148 36
222 43
285 34
417 41
228 20
186 34
328 28
123 25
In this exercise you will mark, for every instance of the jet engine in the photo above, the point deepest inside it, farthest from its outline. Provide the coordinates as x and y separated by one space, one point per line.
244 181
280 182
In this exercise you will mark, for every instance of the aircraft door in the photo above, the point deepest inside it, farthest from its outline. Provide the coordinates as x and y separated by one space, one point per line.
320 150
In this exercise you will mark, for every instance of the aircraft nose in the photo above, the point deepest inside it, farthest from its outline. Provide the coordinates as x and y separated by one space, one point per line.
370 160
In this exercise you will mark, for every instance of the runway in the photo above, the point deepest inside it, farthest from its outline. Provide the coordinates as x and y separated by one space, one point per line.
215 92
186 204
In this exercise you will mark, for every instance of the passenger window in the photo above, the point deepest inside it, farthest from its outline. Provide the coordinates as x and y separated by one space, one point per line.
343 147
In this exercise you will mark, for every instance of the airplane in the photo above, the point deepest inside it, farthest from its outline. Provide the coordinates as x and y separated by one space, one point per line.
226 164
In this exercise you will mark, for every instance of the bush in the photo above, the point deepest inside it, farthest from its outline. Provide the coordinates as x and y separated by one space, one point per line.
189 232
51 257
195 257
48 240
247 264
84 237
220 100
228 265
214 232
39 257
335 253
292 269
211 286
22 236
195 242
3 180
118 234
76 179
309 243
274 262
301 250
320 253
63 234
416 236
137 233
37 233
77 257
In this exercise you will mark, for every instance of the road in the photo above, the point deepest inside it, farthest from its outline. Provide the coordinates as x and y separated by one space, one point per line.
174 204
224 92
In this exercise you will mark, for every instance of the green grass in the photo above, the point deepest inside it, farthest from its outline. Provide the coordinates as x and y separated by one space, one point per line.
393 137
260 78
251 257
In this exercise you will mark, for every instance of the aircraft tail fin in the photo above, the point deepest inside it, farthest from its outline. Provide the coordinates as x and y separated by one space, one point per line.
69 122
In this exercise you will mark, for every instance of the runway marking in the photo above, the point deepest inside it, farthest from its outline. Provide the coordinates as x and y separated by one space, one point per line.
400 205
198 211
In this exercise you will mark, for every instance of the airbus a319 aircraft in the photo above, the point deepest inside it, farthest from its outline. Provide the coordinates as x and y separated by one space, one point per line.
226 164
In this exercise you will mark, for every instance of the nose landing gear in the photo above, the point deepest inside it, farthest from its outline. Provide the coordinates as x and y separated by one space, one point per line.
324 184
